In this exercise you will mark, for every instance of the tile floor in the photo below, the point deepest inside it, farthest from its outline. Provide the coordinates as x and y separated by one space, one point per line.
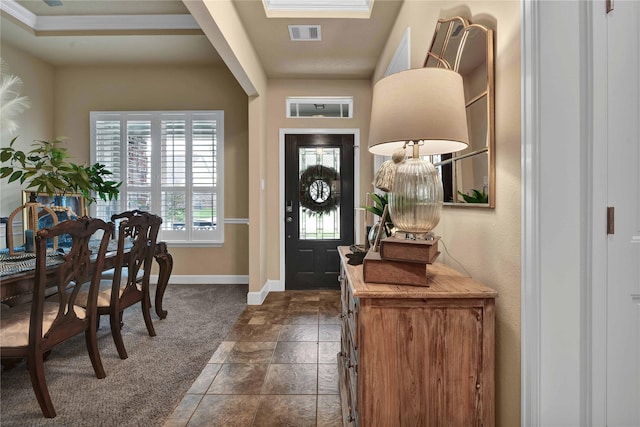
277 367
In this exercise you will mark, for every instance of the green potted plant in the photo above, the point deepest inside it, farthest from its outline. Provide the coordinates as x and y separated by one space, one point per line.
475 196
46 169
379 203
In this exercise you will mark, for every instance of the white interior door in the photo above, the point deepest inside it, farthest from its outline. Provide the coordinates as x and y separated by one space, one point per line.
623 252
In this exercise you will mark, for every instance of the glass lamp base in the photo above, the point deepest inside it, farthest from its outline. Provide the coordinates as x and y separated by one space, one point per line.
416 200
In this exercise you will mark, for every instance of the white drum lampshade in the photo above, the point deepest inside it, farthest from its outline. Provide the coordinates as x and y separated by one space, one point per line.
423 109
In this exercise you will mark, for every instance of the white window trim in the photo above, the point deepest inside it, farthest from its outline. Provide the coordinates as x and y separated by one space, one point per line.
218 240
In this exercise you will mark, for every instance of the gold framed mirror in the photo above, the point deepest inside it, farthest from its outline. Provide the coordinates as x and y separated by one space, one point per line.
468 176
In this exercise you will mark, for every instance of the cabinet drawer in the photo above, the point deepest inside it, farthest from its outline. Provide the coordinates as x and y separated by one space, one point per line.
344 312
349 413
347 346
344 291
344 338
353 355
352 319
352 380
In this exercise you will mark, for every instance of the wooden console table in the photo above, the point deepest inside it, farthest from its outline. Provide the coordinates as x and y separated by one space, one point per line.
416 356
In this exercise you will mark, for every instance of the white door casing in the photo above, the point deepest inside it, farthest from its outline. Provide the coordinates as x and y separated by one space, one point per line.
623 193
578 72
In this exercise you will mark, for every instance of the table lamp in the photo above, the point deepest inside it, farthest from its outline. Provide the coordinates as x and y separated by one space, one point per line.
423 110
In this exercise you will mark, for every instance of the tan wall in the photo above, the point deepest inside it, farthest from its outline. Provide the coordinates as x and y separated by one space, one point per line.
79 90
36 123
485 241
278 91
258 256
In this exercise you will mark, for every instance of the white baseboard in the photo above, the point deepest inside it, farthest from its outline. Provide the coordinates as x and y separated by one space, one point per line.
276 286
257 298
194 279
253 298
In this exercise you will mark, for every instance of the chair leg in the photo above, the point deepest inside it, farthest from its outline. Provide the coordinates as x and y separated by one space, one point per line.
91 339
115 318
146 313
10 363
35 365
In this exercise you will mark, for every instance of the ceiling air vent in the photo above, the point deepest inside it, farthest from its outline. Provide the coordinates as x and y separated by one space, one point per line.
304 33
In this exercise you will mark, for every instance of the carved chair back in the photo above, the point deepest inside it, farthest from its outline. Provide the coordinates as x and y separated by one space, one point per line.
31 329
82 264
138 231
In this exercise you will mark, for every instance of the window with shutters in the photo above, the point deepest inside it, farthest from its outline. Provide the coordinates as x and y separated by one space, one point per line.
171 164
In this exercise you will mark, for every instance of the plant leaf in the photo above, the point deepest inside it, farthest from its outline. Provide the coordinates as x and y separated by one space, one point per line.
5 155
15 175
373 210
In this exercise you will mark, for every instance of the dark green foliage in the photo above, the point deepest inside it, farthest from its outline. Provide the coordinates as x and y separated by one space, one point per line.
475 196
46 169
379 202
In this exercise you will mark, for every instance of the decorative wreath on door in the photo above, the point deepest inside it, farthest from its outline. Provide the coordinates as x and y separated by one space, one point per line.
318 190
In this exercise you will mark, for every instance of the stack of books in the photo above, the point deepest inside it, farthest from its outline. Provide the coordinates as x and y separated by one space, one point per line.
400 261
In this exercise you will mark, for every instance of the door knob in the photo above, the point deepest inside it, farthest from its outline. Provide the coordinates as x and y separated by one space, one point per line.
289 219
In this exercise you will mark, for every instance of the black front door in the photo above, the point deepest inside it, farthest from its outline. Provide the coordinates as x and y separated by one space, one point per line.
318 208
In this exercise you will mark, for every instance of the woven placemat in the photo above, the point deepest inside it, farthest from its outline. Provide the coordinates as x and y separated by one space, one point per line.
18 263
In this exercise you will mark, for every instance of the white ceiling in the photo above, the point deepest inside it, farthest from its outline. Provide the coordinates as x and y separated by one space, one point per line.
98 32
349 48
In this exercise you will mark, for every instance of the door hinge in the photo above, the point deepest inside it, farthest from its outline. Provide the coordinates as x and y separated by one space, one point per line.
610 220
609 5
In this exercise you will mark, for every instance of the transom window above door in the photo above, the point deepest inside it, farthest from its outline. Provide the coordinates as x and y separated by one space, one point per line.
321 107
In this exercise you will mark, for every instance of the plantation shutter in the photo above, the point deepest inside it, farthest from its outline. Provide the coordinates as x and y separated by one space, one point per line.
170 163
139 174
204 175
107 150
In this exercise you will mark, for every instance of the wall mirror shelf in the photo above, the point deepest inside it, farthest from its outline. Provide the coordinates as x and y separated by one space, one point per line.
468 176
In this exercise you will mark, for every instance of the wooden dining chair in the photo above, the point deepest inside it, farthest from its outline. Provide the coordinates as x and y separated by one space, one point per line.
32 329
128 283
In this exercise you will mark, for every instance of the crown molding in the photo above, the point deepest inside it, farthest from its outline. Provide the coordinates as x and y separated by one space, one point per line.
98 22
18 12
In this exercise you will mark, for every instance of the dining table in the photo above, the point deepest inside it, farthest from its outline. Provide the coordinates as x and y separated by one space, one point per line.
17 272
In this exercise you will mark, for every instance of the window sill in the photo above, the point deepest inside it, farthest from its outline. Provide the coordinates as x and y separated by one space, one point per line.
182 244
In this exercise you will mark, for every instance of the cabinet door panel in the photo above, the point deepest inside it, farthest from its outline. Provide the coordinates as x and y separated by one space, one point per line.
427 360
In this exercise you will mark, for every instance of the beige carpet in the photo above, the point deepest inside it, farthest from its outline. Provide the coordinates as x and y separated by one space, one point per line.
142 390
